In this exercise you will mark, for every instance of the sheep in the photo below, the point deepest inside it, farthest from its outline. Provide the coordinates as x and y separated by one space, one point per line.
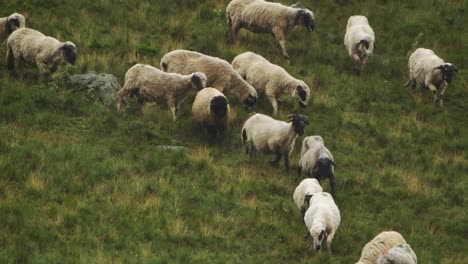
304 191
211 109
150 83
270 79
9 24
428 70
378 245
219 72
317 161
400 254
322 219
269 136
360 41
267 17
33 47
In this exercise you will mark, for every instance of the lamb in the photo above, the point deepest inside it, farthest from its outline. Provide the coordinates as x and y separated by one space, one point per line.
304 191
322 220
270 79
219 72
401 254
378 245
47 53
149 83
267 17
317 161
269 136
9 24
428 70
211 109
360 41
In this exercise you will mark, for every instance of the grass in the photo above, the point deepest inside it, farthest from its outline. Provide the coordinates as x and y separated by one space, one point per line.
81 183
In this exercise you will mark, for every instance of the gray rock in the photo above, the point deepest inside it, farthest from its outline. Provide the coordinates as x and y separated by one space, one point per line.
102 86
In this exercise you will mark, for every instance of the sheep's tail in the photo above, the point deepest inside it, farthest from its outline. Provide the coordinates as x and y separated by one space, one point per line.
164 66
218 106
10 58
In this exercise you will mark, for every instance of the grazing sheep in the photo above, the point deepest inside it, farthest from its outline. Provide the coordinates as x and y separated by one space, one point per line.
9 24
304 191
270 79
378 245
317 161
219 72
33 47
151 84
360 41
322 220
266 17
428 70
401 254
269 136
211 109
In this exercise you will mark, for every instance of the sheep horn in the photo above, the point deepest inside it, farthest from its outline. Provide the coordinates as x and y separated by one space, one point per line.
291 117
306 119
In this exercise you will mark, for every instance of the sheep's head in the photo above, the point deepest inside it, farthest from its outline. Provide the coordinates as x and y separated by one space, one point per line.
364 49
252 96
69 52
302 93
447 70
318 236
198 80
307 198
298 122
323 168
219 106
14 22
305 17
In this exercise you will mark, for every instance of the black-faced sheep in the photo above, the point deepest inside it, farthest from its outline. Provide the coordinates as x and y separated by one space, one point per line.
322 219
211 110
401 254
428 70
304 191
270 79
317 161
269 136
151 84
360 41
381 243
33 47
219 72
9 24
266 17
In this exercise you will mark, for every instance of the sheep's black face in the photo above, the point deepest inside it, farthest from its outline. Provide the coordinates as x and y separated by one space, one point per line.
251 100
69 53
447 71
308 21
302 94
299 122
319 240
324 168
218 106
12 25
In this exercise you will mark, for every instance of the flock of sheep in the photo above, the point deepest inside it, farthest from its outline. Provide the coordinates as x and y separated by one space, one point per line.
249 74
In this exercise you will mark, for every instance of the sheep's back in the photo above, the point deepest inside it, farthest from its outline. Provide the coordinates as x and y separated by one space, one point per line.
379 244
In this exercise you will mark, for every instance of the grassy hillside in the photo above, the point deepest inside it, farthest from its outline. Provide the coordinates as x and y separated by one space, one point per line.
81 183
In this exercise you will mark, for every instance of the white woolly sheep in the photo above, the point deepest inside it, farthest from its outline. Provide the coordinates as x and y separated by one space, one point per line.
401 254
360 41
270 79
211 109
317 161
266 17
219 72
322 220
429 71
33 47
378 245
304 191
269 136
151 84
9 24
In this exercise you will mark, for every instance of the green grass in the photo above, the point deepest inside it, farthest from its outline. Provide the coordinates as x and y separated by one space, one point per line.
81 183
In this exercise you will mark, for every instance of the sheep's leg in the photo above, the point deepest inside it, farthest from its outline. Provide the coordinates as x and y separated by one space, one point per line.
18 68
234 28
140 104
441 93
433 89
172 106
299 171
277 159
286 161
273 103
332 185
279 35
329 242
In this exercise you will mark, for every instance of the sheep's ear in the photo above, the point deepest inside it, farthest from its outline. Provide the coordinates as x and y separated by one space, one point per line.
332 163
440 67
363 41
197 81
291 117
